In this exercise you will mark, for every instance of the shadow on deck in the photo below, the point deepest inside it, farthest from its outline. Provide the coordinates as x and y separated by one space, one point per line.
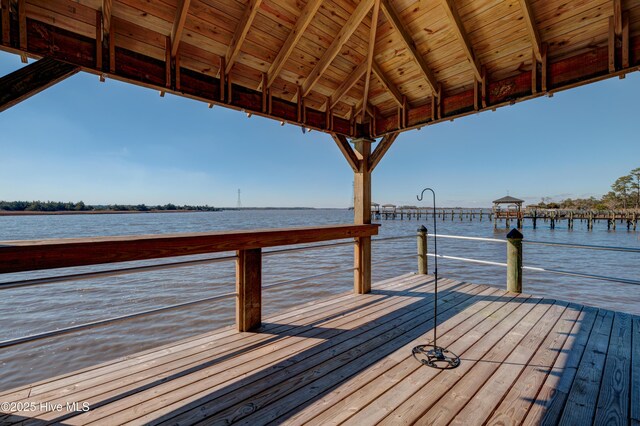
348 360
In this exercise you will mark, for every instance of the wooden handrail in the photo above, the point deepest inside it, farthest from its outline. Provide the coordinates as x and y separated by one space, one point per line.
20 256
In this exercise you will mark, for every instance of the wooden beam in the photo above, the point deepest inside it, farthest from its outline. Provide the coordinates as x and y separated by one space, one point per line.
6 21
461 33
381 150
362 215
612 45
178 25
625 40
617 17
106 18
347 84
248 289
397 24
31 79
534 73
347 151
290 43
388 85
99 32
22 28
241 33
112 50
334 49
534 35
372 45
545 67
167 63
20 256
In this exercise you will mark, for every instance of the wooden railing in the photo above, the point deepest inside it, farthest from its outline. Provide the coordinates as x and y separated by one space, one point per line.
21 256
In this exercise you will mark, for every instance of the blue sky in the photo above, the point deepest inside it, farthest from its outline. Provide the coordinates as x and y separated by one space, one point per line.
117 143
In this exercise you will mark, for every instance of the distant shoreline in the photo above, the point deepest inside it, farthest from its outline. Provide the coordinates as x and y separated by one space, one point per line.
90 212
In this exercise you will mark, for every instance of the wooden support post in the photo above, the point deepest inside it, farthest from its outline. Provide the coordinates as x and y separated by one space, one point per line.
167 64
362 215
514 261
534 74
248 289
22 29
422 250
99 41
112 49
223 80
544 68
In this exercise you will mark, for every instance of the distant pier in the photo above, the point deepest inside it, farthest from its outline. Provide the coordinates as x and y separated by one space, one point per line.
547 217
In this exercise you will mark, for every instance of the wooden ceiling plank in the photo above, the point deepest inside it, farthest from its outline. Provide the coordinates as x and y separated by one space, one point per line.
334 49
241 33
397 24
381 150
534 35
290 43
372 45
347 151
178 25
347 84
461 33
386 82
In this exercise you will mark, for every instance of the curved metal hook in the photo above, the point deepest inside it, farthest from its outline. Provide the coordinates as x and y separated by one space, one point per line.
419 197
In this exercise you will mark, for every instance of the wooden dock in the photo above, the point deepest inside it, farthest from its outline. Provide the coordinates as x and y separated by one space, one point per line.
348 360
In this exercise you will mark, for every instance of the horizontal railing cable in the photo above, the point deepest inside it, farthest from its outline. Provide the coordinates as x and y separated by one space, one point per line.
112 272
296 280
584 246
99 323
305 248
460 237
464 259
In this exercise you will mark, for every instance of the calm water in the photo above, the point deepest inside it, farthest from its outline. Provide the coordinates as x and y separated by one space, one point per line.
33 310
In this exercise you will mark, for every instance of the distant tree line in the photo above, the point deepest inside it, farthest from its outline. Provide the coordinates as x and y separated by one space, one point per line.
57 206
624 194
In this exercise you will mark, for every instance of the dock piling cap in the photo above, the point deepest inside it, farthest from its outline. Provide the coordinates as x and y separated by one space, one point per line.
422 229
515 234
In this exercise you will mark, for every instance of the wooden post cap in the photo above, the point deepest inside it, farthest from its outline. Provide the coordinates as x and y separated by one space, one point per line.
422 229
515 234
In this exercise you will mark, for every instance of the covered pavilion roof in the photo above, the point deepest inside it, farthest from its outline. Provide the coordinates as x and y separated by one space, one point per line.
508 200
352 68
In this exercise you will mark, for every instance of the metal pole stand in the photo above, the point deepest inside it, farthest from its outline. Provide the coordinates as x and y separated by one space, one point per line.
433 355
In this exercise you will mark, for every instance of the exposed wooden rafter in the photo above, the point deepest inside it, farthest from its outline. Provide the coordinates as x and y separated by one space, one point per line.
178 25
347 151
31 79
372 45
241 33
384 80
290 43
461 33
397 24
534 35
347 84
334 49
381 150
106 18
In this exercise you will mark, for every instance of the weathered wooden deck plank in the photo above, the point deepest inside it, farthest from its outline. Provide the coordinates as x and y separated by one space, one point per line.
581 402
347 360
548 405
613 402
517 383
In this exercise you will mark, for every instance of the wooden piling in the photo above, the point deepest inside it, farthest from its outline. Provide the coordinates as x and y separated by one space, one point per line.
422 250
514 261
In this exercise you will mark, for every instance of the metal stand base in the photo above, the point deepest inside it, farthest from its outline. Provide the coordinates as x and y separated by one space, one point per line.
436 357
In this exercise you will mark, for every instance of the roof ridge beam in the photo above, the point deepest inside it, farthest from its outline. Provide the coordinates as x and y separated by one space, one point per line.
397 24
369 61
462 35
178 25
241 33
534 35
334 49
290 43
